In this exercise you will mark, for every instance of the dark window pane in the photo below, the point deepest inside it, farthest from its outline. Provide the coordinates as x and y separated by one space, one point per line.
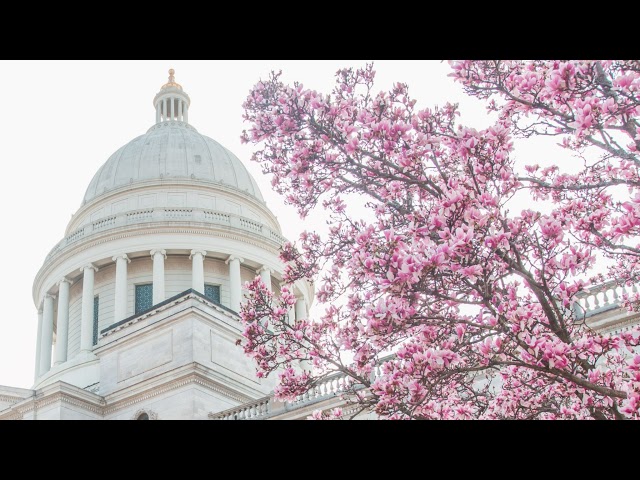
143 416
144 297
96 309
212 292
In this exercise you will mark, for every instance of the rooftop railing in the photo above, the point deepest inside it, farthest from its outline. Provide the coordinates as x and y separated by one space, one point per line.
169 215
601 298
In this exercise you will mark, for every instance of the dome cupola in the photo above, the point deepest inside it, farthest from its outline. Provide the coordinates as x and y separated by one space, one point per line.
171 102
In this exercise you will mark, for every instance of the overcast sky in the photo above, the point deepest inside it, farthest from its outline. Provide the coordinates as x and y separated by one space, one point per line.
60 121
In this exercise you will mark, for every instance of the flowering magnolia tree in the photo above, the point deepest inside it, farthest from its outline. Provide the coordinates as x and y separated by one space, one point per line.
472 299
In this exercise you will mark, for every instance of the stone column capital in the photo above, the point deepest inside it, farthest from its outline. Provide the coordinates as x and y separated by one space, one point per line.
160 251
122 255
234 257
195 252
263 268
63 280
89 266
49 295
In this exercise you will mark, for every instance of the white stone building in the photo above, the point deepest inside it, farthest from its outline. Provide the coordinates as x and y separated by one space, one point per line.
137 304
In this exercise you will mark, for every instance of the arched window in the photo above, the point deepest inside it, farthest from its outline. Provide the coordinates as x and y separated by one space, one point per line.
143 416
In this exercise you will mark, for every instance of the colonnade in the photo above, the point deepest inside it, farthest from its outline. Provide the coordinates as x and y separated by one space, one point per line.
46 311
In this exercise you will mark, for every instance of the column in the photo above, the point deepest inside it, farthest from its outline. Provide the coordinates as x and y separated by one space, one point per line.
164 109
86 324
180 109
47 335
197 270
62 335
235 283
173 103
301 309
120 296
158 112
38 344
265 275
185 113
159 257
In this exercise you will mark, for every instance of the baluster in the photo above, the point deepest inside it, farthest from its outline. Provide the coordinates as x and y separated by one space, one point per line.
615 295
586 305
605 297
596 301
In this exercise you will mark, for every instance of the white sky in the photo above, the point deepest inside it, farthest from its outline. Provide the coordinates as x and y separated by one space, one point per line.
61 120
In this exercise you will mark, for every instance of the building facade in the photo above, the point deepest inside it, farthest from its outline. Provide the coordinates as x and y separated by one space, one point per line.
137 306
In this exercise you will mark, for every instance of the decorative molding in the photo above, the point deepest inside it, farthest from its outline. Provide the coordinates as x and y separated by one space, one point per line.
47 399
122 255
148 229
190 378
152 415
11 399
64 255
234 257
89 267
194 252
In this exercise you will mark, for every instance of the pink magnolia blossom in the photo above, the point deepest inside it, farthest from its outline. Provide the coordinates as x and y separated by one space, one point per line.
473 298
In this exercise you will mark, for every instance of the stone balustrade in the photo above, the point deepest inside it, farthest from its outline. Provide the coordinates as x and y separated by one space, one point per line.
168 215
247 411
601 298
332 386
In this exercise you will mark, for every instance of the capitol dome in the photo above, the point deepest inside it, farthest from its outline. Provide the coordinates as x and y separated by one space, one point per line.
172 150
171 217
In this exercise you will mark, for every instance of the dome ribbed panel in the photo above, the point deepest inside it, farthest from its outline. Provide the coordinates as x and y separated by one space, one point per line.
172 151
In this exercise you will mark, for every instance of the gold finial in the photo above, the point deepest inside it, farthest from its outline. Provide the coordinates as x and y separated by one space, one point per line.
172 80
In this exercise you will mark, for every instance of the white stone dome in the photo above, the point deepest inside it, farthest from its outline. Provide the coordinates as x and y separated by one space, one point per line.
172 150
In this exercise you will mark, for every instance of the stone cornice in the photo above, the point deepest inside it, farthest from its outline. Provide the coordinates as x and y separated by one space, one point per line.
156 184
150 229
194 374
10 398
167 304
190 377
56 392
